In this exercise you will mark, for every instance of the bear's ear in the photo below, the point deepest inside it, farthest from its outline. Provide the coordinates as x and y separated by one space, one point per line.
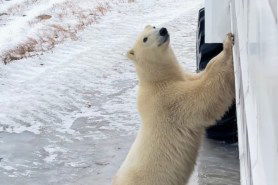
131 54
148 26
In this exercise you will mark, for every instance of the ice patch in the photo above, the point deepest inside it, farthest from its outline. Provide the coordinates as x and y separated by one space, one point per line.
52 153
8 168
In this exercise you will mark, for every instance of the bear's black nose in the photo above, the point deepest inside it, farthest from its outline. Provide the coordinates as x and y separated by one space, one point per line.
163 31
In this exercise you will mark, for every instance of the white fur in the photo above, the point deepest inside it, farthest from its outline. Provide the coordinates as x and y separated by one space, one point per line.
175 107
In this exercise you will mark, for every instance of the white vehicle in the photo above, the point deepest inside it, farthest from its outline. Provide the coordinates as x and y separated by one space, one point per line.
255 26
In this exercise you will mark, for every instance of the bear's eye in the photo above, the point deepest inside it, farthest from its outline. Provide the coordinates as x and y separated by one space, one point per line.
154 27
145 39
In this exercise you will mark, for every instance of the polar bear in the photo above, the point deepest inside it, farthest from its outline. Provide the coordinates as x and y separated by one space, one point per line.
175 108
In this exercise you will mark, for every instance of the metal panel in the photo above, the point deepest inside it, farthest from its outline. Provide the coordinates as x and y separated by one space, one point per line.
274 6
217 23
256 68
257 88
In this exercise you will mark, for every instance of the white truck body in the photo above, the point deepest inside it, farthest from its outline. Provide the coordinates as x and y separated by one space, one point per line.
255 25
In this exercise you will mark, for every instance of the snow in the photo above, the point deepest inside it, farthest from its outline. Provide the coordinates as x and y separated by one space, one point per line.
43 23
8 168
7 4
69 116
17 30
52 153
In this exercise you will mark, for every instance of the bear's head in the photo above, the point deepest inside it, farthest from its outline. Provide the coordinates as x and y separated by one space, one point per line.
150 45
153 56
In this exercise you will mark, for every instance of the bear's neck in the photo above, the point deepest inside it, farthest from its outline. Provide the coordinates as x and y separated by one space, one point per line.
159 72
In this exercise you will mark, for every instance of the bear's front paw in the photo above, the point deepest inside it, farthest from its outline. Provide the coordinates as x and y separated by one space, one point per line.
229 42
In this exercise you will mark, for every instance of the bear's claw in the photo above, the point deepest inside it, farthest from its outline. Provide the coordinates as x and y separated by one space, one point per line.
229 41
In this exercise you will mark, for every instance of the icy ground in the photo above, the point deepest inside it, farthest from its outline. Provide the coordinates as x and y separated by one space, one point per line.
69 116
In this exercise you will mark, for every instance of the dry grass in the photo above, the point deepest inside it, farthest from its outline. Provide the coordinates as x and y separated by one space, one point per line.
52 34
19 8
102 9
44 17
21 51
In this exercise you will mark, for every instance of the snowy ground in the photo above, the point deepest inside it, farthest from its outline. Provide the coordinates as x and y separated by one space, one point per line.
36 26
69 116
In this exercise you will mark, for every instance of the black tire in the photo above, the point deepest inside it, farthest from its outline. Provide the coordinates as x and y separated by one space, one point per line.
226 128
